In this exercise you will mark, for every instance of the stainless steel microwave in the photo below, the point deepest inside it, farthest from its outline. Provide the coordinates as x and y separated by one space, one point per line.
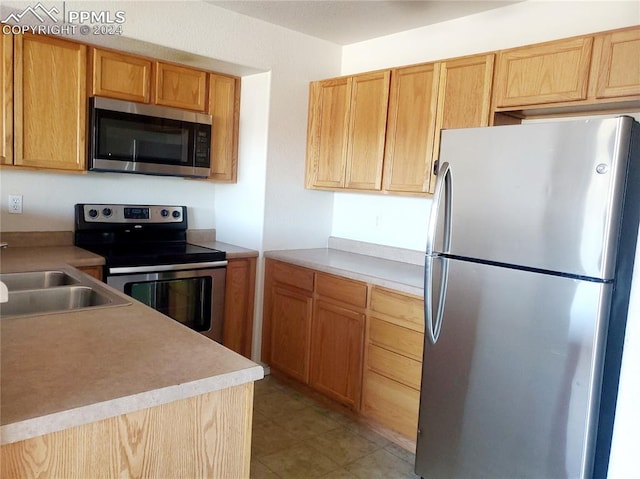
130 137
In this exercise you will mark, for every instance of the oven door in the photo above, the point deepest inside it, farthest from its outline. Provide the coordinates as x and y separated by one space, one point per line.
194 298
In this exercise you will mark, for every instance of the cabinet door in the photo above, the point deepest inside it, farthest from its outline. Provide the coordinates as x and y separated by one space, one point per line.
50 102
180 87
327 133
464 97
367 127
410 130
548 73
117 75
337 338
290 332
238 305
6 100
619 64
224 107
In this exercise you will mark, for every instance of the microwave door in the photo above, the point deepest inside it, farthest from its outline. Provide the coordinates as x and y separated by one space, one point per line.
123 141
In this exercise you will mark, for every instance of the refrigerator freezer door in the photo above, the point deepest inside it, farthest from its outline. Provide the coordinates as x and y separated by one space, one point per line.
539 195
510 387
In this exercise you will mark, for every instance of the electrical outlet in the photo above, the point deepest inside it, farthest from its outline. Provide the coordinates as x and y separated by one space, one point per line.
15 204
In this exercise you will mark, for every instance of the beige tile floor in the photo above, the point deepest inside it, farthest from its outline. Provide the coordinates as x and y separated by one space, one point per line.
296 436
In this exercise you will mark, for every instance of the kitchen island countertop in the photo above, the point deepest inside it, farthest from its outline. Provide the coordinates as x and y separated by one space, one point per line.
61 370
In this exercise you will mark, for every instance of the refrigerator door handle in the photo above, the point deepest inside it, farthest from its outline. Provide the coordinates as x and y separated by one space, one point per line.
443 183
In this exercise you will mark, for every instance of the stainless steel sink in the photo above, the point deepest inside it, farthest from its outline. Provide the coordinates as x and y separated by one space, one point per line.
44 292
36 280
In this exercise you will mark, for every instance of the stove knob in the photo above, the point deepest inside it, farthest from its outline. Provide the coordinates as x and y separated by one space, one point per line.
93 213
164 213
175 214
107 212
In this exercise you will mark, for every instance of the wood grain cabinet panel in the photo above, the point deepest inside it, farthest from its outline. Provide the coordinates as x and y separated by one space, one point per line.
393 361
6 100
202 436
50 105
346 130
290 332
411 128
337 337
119 75
618 64
367 126
240 281
93 271
327 132
224 108
180 87
341 289
546 73
391 403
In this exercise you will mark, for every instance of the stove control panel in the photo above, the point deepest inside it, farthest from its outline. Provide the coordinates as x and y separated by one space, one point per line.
140 214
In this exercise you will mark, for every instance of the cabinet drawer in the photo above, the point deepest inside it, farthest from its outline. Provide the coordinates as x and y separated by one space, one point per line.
394 366
400 308
396 338
295 276
341 289
391 404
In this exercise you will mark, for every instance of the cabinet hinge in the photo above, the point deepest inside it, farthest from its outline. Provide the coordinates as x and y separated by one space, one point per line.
436 165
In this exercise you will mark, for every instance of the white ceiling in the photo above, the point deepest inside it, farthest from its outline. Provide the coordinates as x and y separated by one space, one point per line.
345 22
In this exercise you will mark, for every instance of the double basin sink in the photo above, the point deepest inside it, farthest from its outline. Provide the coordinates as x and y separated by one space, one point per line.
54 291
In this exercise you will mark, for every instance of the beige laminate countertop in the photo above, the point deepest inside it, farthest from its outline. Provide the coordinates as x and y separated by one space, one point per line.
397 275
67 369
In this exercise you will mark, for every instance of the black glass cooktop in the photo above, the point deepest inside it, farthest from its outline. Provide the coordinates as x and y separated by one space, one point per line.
155 254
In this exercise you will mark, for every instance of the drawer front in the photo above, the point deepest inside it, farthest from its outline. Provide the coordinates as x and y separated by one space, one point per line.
341 289
295 276
399 308
394 366
391 404
395 338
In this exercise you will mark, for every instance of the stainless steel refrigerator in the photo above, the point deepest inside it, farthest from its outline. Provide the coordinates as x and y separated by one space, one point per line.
532 238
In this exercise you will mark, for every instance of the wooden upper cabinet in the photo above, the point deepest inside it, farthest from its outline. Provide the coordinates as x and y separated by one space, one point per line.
546 73
224 108
119 75
6 100
410 128
367 126
464 97
345 137
180 87
618 64
50 102
327 132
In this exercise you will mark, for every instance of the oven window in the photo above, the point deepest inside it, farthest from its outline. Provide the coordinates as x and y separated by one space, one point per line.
185 300
138 138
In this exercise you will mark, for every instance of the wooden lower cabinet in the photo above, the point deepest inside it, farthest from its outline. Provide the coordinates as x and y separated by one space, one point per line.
357 344
393 361
237 330
93 271
290 332
337 336
204 436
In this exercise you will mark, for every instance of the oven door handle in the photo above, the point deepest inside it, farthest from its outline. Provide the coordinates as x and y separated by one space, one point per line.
166 267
